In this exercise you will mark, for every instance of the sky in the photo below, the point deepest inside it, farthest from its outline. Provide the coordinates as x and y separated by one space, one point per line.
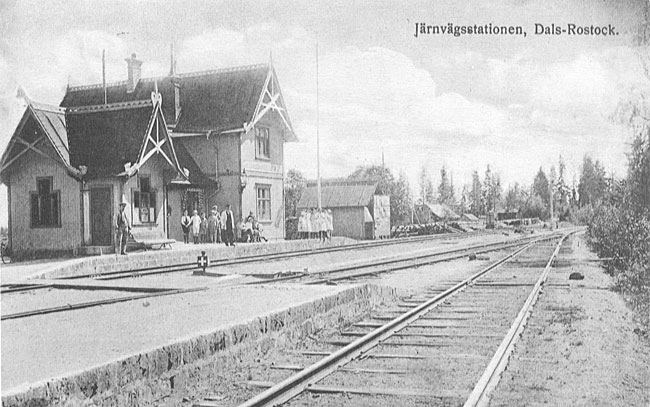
513 102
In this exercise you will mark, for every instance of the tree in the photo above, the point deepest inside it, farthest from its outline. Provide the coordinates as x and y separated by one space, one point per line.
446 189
475 201
294 185
638 174
592 185
426 186
465 198
399 191
402 203
515 198
491 192
540 187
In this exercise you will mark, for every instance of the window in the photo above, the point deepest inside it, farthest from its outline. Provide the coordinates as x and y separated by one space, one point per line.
45 205
144 202
262 145
263 202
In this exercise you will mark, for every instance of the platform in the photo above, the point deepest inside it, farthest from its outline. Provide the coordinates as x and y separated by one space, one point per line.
180 253
145 339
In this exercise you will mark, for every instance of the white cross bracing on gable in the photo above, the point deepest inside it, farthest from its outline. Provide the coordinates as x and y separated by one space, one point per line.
269 101
156 145
29 146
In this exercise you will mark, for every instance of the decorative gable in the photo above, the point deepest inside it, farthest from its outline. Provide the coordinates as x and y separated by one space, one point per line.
271 100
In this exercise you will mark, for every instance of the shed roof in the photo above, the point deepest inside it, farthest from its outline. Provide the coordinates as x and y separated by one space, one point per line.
441 211
338 193
471 217
217 100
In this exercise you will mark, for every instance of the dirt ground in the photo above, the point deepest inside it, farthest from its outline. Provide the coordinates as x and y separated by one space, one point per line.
580 348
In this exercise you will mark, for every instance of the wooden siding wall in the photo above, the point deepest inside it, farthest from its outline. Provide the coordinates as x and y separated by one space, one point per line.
228 153
26 240
265 172
273 229
348 222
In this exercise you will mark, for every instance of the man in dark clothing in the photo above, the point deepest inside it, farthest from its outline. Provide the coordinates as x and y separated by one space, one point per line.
122 228
228 224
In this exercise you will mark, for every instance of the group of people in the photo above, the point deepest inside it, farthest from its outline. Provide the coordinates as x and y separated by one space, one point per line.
316 224
217 228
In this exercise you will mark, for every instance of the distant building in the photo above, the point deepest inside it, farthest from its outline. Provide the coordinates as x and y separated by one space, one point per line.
357 211
469 217
434 212
507 214
168 144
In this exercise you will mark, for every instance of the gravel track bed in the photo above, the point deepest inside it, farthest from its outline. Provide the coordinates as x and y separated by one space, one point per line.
300 263
452 362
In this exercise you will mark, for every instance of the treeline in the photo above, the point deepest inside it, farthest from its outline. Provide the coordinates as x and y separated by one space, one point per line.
571 202
619 227
486 193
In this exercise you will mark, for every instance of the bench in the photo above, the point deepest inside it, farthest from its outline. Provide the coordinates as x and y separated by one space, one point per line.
143 239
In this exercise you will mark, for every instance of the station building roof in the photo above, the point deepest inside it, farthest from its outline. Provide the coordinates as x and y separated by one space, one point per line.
210 101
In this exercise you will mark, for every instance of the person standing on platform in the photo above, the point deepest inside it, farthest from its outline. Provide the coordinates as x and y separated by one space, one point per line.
322 225
203 231
213 226
330 224
122 228
196 226
313 225
228 226
302 227
186 222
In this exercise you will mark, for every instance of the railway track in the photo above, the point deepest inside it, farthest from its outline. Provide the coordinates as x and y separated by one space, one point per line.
116 275
444 346
383 265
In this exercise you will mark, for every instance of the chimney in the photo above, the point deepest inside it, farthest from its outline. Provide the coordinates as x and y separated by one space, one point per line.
133 66
176 83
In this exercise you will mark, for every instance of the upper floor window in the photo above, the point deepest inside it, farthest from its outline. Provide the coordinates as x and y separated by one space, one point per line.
144 202
45 205
262 143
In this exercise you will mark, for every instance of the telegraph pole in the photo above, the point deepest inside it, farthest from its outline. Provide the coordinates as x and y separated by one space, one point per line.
318 138
551 188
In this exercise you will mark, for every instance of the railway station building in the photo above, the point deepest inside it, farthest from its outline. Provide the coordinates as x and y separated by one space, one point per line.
162 145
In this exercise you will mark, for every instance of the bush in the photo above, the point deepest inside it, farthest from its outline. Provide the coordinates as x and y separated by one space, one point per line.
624 235
581 216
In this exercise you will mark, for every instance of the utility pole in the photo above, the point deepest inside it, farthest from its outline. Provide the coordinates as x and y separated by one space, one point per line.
318 138
551 194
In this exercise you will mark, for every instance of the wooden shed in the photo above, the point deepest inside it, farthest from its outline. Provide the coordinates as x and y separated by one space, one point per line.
435 212
357 212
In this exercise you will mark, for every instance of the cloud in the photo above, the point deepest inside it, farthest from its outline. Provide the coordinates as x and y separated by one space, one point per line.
384 87
213 49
